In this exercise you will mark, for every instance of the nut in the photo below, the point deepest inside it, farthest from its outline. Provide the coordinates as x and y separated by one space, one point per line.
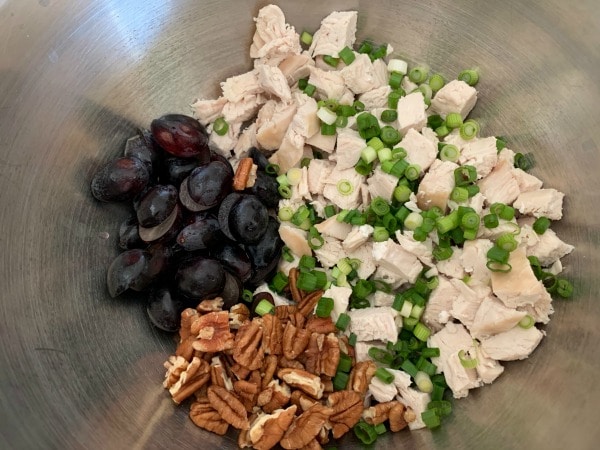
312 445
267 430
323 325
205 416
303 380
293 284
409 415
298 320
301 400
272 335
361 376
212 332
247 392
185 349
175 366
295 341
397 420
308 303
188 315
379 413
240 372
229 407
279 397
327 384
242 174
247 346
206 306
306 427
283 312
290 363
347 409
218 375
195 375
322 354
239 314
312 354
268 370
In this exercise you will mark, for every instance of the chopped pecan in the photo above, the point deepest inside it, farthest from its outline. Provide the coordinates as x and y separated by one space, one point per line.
347 409
185 348
361 376
303 380
243 440
301 400
175 366
293 284
290 363
268 370
308 303
229 407
205 416
327 384
267 430
312 445
279 396
206 306
247 392
323 436
239 314
312 354
306 427
195 375
322 354
242 174
346 348
295 341
240 372
397 420
188 315
247 345
379 413
284 312
212 332
316 324
272 335
218 375
409 415
298 320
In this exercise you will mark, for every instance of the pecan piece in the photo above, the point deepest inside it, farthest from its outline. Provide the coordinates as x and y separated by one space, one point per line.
306 427
295 341
246 348
267 430
308 303
205 416
268 370
240 372
303 380
206 306
290 363
279 397
301 400
361 376
323 354
298 320
188 315
242 174
312 354
175 366
379 413
284 312
316 324
239 314
293 284
195 375
272 335
347 409
312 445
397 420
229 407
409 415
218 375
212 332
247 393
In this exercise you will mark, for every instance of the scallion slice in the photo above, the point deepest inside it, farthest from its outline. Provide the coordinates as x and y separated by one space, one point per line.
284 191
310 89
324 305
469 76
340 381
264 307
423 382
418 74
466 361
454 120
247 296
333 62
384 375
389 115
527 322
459 194
541 224
412 172
436 82
306 37
347 55
272 169
564 288
315 240
220 126
395 79
507 241
342 322
365 433
469 129
402 193
344 187
390 136
449 152
368 154
421 332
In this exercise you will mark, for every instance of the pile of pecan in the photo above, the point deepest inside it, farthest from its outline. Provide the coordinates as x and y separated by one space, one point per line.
271 377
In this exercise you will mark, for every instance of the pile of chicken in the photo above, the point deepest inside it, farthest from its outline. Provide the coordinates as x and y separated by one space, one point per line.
472 309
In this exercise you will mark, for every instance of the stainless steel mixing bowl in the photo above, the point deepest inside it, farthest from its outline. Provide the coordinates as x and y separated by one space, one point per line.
79 370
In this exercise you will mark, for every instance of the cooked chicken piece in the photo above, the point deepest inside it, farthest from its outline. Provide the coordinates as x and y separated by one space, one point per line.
416 400
500 185
547 247
321 64
408 85
207 111
526 181
382 184
272 123
349 146
339 178
382 392
421 250
376 98
364 254
278 300
357 237
481 154
330 253
516 343
474 260
300 191
244 109
506 155
393 278
361 350
456 96
318 203
273 81
285 266
476 202
330 85
541 311
519 286
436 185
370 324
419 149
430 134
334 228
295 239
459 378
380 298
318 171
246 141
360 75
493 317
338 30
381 73
437 309
341 297
394 258
466 304
238 87
295 67
274 40
224 145
488 369
452 266
543 202
322 142
455 139
411 113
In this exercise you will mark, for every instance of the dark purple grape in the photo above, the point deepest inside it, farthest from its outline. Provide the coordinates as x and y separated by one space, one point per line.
266 189
119 180
208 185
203 232
234 258
128 271
259 158
248 220
144 147
164 309
265 255
156 205
232 292
216 157
200 278
166 230
175 170
160 258
225 209
182 136
129 236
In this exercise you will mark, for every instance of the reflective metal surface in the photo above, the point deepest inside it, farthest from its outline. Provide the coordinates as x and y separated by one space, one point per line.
79 370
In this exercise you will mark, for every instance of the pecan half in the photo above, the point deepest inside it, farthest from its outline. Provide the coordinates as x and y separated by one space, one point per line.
272 335
379 413
242 174
239 314
240 372
323 354
298 320
295 341
280 395
361 376
306 427
312 354
205 416
283 312
293 284
195 375
268 370
267 430
303 380
285 363
206 306
247 346
301 400
188 315
308 303
347 409
397 420
218 375
229 407
212 332
247 393
324 325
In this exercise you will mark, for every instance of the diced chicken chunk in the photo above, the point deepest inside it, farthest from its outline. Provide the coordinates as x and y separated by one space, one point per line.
246 141
274 40
244 109
376 98
357 237
493 317
322 142
382 392
334 228
516 343
437 309
340 178
341 297
330 85
364 254
349 146
419 149
330 253
295 67
382 184
466 304
272 81
417 401
526 181
272 123
223 145
547 247
371 324
459 378
411 112
207 111
436 185
360 75
395 259
474 259
295 239
456 96
381 72
543 202
337 31
500 185
238 87
421 250
481 154
300 191
318 171
380 298
488 369
452 267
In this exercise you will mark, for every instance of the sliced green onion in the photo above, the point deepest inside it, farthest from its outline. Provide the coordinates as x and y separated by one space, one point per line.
430 352
402 193
412 172
380 355
329 211
341 122
285 191
390 136
326 115
409 368
333 62
497 208
564 288
365 433
449 152
315 240
305 162
500 143
220 126
345 364
418 74
436 82
496 266
344 187
324 305
507 241
384 375
358 106
306 37
430 418
347 55
454 120
507 213
286 254
363 168
498 254
247 296
285 213
380 206
464 175
331 104
421 332
447 223
427 92
328 130
438 392
527 322
385 154
442 131
459 194
413 220
342 322
423 382
442 253
541 224
362 289
307 262
379 52
272 169
469 76
395 79
366 120
466 361
389 115
392 101
340 381
294 176
302 83
490 221
434 121
524 161
376 144
470 221
352 339
264 307
279 282
443 408
397 65
310 89
417 312
301 214
368 154
469 129
399 168
380 234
